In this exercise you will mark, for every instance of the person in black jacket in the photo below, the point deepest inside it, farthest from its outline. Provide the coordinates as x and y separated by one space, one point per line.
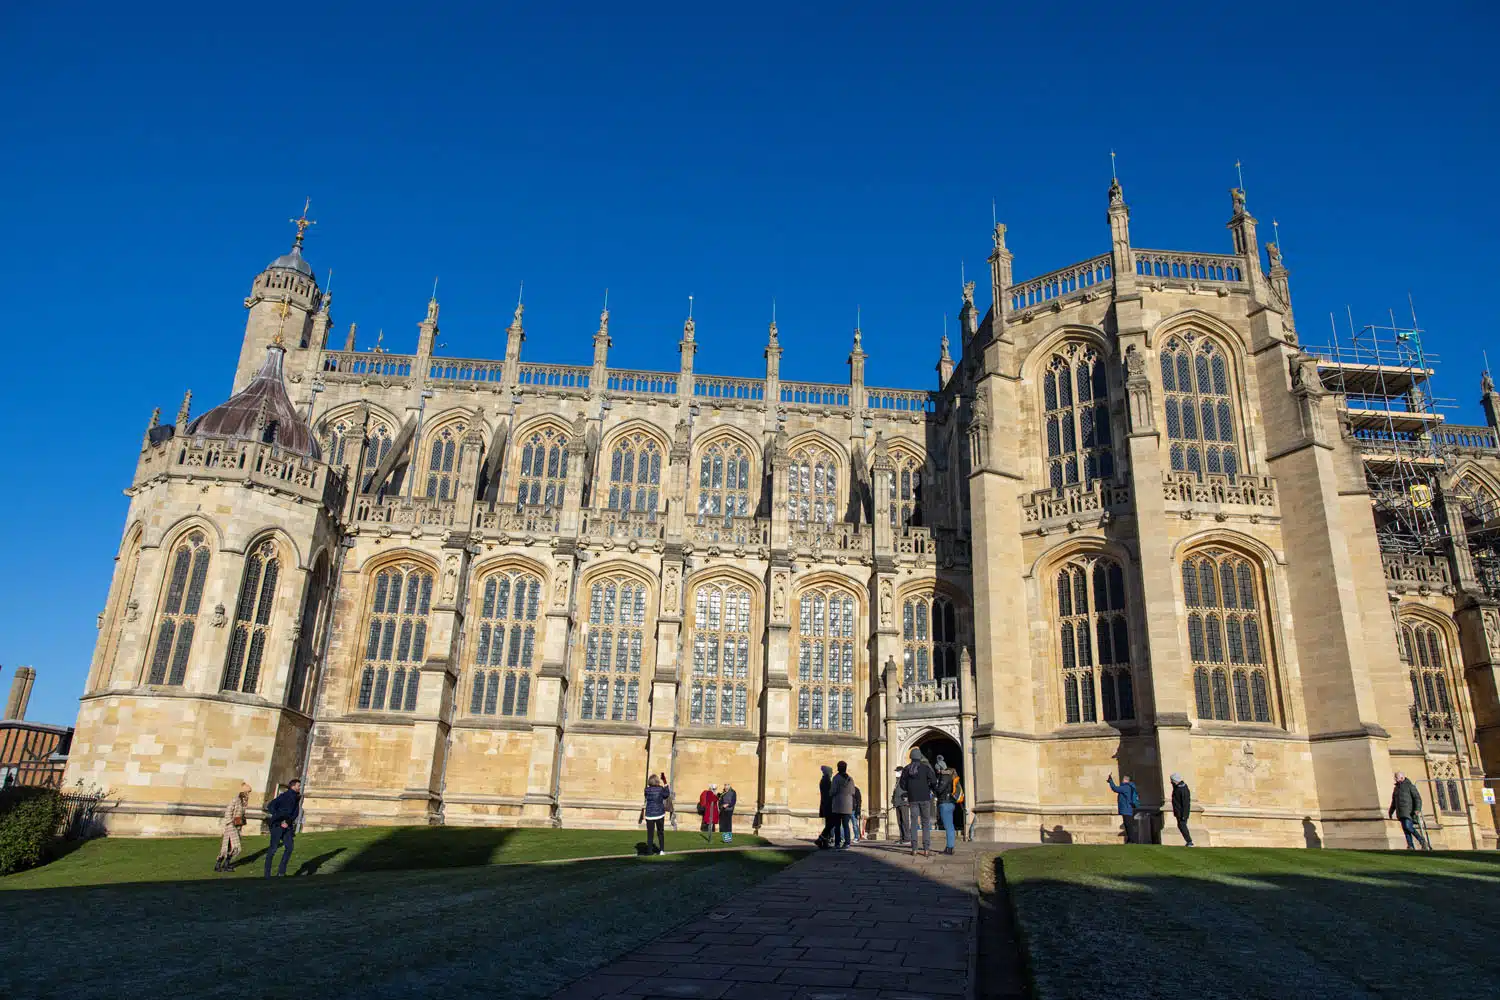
919 781
727 801
1406 806
283 818
1182 806
825 807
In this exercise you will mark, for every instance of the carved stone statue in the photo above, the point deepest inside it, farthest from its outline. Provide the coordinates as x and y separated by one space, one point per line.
778 597
450 578
1135 362
1116 193
1239 200
560 585
969 294
1274 252
669 590
1486 384
219 618
886 600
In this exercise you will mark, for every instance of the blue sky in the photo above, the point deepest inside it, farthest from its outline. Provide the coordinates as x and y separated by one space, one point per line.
831 160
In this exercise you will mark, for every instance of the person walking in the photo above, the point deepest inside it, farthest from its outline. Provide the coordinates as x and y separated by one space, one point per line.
950 793
842 794
825 807
899 804
234 818
654 814
1406 806
1127 800
919 782
708 811
859 809
283 818
1182 806
727 800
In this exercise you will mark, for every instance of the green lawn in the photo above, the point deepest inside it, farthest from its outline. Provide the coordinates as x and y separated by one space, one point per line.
492 931
1241 923
108 860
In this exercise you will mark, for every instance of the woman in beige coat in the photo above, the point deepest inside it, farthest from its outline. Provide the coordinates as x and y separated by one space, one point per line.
234 818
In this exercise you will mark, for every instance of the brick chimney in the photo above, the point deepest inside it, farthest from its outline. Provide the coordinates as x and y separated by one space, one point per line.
20 693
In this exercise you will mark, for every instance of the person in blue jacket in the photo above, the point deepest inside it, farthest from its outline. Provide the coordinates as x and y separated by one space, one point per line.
1129 800
282 814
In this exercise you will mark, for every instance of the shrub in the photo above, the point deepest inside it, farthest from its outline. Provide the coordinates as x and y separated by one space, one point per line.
28 826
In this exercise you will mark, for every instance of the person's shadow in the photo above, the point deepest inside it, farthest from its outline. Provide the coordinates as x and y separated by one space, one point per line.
1057 835
311 865
1310 833
245 859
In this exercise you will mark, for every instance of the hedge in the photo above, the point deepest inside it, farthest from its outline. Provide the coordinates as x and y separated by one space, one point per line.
28 826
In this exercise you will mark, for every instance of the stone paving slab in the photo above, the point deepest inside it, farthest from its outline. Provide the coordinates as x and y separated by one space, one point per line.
869 923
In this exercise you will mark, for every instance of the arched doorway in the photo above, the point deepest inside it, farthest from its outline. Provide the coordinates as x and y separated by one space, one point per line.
933 744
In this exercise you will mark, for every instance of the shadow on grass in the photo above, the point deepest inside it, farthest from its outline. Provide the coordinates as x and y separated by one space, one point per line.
411 847
311 865
1269 924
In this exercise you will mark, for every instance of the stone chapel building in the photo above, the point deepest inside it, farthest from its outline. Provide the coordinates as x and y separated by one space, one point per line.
1130 530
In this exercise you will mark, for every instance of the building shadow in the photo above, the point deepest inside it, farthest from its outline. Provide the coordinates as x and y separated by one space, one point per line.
416 847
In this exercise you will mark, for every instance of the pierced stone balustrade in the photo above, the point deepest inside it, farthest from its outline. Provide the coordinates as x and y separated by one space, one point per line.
632 383
255 462
814 394
821 537
560 378
361 365
735 532
404 511
724 389
517 520
1219 490
1411 570
1065 283
1074 501
623 525
928 692
914 540
465 372
1189 268
903 401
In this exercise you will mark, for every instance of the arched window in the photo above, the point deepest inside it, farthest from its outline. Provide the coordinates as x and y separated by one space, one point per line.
1075 395
635 474
397 644
1426 655
342 447
309 639
252 620
341 439
1227 638
906 490
1200 407
1094 639
724 481
376 450
613 650
929 640
812 486
544 469
444 456
1475 499
187 572
825 660
719 693
506 645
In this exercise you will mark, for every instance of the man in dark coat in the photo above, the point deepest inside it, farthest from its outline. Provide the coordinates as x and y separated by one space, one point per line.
920 782
1182 806
1127 801
283 818
898 803
1406 805
727 801
825 807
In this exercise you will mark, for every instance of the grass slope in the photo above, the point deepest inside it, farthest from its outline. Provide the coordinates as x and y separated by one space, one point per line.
1242 923
522 931
110 860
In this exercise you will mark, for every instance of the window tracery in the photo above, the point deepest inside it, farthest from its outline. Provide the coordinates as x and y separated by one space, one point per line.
613 650
1200 407
825 660
724 481
187 573
719 692
812 485
1075 396
399 604
635 474
506 644
1226 637
929 640
544 469
1094 639
252 620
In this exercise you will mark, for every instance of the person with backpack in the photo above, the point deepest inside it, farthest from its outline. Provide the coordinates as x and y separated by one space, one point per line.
708 811
1127 801
1406 806
841 791
919 782
727 800
950 793
859 806
654 814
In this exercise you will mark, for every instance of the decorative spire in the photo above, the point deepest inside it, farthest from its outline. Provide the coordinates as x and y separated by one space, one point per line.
155 420
302 222
689 327
999 236
186 409
349 341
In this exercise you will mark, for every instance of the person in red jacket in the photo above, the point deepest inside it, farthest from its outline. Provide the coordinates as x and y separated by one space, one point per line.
708 811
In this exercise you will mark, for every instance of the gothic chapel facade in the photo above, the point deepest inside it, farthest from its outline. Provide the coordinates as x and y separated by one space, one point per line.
1129 531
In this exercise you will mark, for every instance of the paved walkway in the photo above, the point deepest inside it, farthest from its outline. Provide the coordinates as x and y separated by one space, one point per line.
870 923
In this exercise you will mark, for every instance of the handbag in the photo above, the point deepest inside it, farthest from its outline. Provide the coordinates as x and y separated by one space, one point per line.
239 821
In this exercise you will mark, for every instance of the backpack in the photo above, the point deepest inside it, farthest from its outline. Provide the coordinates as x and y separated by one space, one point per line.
958 790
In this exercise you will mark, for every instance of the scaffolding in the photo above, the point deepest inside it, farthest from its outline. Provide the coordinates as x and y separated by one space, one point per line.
1382 375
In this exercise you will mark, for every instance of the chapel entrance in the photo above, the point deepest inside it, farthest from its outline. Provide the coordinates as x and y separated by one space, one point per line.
933 746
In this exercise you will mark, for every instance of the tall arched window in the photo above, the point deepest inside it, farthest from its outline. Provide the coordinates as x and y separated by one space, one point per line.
613 650
812 486
506 644
1200 407
929 640
1075 395
444 456
544 468
187 572
120 597
309 639
825 660
341 445
1426 654
1226 637
376 450
252 620
724 481
397 645
635 474
1094 640
719 693
906 489
1475 499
